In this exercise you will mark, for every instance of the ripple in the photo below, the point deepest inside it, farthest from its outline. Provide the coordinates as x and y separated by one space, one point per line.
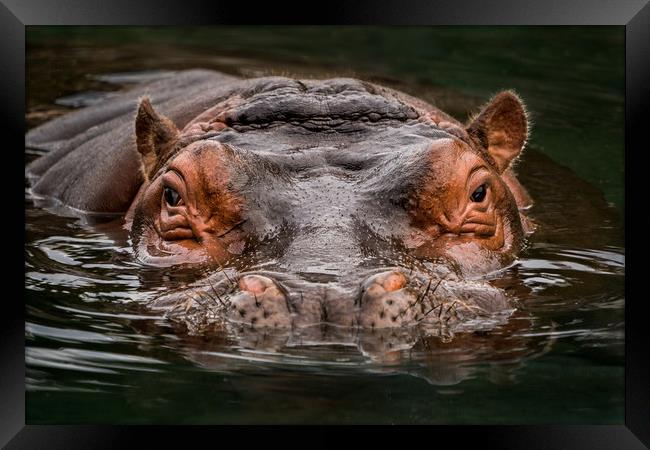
115 315
66 334
89 360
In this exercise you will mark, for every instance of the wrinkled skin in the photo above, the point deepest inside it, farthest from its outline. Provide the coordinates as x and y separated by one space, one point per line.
313 202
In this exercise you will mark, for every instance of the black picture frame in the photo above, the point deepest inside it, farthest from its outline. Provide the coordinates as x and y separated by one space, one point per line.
633 14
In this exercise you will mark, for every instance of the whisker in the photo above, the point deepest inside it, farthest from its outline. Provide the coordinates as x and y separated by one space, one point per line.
217 294
438 284
448 309
224 304
177 306
428 312
420 299
426 291
470 307
202 303
226 275
214 300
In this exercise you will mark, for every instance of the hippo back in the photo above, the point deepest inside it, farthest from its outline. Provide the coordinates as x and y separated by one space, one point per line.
91 163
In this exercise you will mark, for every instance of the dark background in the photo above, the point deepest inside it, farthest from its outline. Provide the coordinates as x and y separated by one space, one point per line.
553 12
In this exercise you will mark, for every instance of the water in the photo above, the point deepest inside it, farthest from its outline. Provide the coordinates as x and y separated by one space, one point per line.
95 355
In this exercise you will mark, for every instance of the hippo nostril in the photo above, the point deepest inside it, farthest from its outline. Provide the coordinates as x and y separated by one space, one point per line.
262 303
385 301
389 281
394 281
255 284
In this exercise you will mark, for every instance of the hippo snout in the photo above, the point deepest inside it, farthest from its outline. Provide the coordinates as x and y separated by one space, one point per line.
260 302
383 299
387 300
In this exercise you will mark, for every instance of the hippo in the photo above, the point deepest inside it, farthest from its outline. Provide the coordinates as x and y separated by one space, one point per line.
300 202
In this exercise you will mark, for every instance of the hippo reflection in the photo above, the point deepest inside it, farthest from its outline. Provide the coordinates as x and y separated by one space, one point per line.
312 202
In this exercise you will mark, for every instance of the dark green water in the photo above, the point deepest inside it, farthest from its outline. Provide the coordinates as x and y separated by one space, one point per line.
92 356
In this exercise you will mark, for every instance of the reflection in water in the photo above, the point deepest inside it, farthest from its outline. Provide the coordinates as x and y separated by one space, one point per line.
90 336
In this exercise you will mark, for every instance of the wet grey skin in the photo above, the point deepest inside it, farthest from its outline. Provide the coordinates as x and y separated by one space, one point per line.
327 170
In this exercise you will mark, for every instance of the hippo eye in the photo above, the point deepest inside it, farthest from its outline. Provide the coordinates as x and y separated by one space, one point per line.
171 196
479 194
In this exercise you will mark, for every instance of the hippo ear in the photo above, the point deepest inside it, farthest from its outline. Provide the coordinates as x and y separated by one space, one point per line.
155 136
501 128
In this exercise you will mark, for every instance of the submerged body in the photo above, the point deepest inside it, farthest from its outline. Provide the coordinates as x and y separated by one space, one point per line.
312 202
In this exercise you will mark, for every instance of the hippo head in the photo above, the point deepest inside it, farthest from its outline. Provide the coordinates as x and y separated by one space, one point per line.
331 201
